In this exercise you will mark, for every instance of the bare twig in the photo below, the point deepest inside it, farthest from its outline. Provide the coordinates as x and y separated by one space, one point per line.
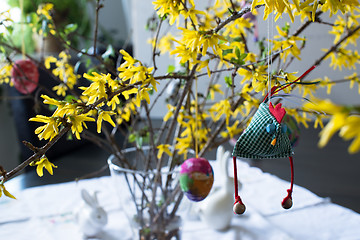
155 43
97 9
93 174
216 71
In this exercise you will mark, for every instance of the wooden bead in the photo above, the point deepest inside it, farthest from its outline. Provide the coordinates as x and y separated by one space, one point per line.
287 204
239 208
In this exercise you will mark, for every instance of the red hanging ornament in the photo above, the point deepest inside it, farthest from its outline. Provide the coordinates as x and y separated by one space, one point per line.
25 76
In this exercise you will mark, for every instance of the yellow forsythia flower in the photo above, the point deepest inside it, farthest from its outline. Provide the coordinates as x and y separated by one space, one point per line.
6 192
164 148
78 122
351 129
104 115
41 164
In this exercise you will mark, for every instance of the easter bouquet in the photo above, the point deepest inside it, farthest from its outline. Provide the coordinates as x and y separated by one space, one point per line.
224 67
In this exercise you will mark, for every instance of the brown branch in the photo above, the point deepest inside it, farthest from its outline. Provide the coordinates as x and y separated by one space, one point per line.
159 95
334 47
233 17
301 29
216 71
155 43
306 24
171 76
168 201
98 7
40 151
181 99
93 174
233 6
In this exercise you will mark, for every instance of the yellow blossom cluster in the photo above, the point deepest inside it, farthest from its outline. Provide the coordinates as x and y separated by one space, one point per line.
238 28
66 112
341 120
135 79
278 7
135 73
124 113
5 74
44 13
166 43
175 8
64 71
354 78
333 6
193 126
257 75
193 131
195 42
346 23
344 56
283 40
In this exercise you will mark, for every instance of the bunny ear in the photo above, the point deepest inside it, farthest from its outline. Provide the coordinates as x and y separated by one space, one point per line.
88 198
95 198
220 152
224 162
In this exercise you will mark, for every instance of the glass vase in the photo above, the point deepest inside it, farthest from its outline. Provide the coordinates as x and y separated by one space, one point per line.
149 194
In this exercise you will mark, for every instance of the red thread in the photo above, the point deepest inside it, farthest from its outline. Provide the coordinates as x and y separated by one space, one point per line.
237 197
235 179
290 190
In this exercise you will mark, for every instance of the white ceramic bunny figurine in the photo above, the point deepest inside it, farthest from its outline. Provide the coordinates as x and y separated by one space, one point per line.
91 217
216 210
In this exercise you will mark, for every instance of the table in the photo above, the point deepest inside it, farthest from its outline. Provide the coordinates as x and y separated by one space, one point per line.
47 212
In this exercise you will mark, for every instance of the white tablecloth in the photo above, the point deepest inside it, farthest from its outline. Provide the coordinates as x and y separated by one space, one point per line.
47 212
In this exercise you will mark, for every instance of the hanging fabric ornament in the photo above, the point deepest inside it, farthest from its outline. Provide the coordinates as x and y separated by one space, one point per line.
25 76
196 178
266 138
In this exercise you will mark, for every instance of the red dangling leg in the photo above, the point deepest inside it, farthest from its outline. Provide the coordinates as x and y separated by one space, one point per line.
287 201
239 207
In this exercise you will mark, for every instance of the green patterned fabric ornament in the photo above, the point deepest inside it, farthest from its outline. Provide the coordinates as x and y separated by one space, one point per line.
265 137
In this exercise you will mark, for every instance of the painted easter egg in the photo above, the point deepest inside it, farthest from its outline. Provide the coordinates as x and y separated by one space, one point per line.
25 76
196 178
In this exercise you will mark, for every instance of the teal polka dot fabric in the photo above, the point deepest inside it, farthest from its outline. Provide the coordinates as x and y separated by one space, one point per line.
265 137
